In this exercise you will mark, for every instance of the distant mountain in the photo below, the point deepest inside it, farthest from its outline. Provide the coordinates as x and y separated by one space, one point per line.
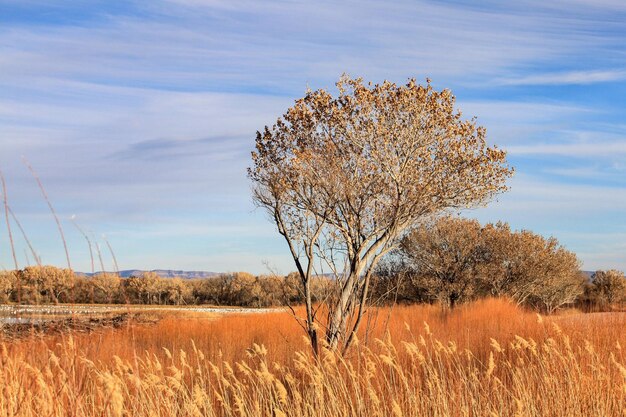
163 273
172 273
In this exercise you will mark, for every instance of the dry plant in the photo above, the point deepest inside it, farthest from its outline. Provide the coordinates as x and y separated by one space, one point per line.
52 210
454 260
532 366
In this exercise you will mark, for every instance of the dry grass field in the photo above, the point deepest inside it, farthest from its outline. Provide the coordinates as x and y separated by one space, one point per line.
488 358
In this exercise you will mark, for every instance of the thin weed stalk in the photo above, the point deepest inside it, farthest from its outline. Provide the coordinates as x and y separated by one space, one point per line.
99 252
82 232
6 216
52 210
25 236
58 223
93 267
117 269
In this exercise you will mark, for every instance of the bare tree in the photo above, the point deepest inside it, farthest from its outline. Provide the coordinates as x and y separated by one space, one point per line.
531 269
457 259
344 177
445 255
609 286
178 291
8 285
47 283
146 288
106 286
518 263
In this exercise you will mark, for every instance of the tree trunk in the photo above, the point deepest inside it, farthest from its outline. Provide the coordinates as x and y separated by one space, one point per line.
338 319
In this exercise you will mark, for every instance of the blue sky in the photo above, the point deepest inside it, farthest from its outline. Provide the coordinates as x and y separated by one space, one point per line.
140 116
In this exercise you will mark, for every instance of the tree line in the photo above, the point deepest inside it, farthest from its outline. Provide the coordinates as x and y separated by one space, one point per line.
51 285
449 260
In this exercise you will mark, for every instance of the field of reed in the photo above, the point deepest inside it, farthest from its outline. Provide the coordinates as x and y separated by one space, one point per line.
488 358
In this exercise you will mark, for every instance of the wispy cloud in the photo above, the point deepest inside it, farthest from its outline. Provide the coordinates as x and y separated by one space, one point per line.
595 172
533 198
138 115
588 219
564 78
278 44
613 149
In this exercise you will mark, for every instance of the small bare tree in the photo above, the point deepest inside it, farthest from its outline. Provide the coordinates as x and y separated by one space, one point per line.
530 268
446 255
609 286
106 286
8 285
520 262
343 178
457 259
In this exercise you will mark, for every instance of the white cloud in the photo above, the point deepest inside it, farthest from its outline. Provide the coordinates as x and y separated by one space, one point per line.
587 172
589 220
587 150
511 122
130 117
570 77
540 198
283 44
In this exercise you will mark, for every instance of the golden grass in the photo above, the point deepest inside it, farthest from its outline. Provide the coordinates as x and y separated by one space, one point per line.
486 359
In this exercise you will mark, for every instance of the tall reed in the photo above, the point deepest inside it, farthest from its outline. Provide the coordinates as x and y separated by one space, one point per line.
485 359
419 377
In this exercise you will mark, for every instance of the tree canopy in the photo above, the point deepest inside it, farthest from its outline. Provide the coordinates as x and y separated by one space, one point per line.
453 259
344 177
